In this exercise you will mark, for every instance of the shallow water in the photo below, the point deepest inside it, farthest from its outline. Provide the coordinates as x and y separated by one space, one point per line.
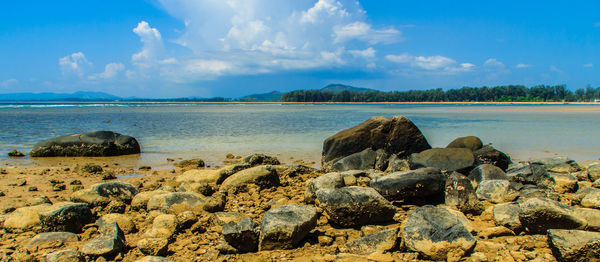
210 131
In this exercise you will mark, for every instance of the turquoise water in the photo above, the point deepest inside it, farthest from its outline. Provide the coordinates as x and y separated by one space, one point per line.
210 131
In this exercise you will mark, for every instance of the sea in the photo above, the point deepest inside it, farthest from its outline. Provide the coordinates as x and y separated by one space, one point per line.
296 131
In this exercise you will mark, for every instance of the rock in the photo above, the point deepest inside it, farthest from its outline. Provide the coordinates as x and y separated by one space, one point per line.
592 216
100 143
65 216
222 218
50 240
507 215
110 242
68 255
329 180
574 245
437 234
242 235
227 171
190 163
379 242
215 203
362 160
285 226
470 142
200 188
495 191
115 206
534 191
527 173
540 214
163 226
381 160
559 164
408 185
153 259
40 201
396 164
490 155
396 135
294 170
15 153
486 172
492 232
176 202
101 194
140 201
153 246
591 200
564 183
594 172
355 206
263 176
25 218
260 159
198 176
461 195
449 159
186 219
90 168
124 221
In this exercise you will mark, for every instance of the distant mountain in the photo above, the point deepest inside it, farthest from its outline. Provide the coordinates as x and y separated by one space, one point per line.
266 97
81 95
336 88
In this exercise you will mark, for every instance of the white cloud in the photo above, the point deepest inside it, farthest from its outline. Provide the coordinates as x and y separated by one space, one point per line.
588 65
555 69
74 64
367 53
363 31
322 10
431 63
9 83
110 71
493 63
152 45
521 65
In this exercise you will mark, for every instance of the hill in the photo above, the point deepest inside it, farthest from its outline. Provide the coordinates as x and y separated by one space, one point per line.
336 88
266 97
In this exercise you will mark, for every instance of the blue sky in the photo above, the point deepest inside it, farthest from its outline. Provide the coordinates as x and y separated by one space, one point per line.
231 48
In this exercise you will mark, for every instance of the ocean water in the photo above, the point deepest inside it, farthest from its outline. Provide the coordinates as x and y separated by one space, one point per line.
297 131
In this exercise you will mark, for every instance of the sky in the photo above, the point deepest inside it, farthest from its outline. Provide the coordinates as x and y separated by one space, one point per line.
232 48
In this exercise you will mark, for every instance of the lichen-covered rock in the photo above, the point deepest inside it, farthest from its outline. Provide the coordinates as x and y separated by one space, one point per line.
449 159
437 234
66 216
406 185
285 226
101 194
495 191
242 235
100 143
355 206
50 240
507 214
163 226
262 176
559 164
68 255
574 245
461 195
396 135
362 160
540 214
329 180
470 142
527 173
378 242
125 222
486 172
176 202
260 159
153 246
110 242
490 155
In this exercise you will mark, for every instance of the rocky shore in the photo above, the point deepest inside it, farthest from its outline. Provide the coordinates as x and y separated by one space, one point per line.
381 194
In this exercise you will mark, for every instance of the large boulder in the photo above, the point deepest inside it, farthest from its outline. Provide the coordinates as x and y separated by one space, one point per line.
486 172
377 243
470 142
66 216
507 215
527 173
593 172
50 240
490 155
125 222
163 226
262 176
101 194
413 184
242 235
25 218
396 135
437 233
559 164
176 202
540 214
100 143
461 195
358 161
574 245
329 180
140 201
355 206
496 191
285 226
110 242
449 159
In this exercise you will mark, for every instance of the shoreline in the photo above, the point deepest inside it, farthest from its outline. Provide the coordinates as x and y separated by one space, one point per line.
282 102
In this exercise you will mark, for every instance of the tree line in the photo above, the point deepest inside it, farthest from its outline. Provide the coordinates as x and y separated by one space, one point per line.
510 93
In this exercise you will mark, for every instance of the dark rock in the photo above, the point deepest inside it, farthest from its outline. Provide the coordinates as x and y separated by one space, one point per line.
50 240
527 173
66 216
507 215
329 180
461 195
285 226
110 242
355 206
496 191
407 185
262 176
242 235
101 194
490 155
540 214
449 159
294 170
470 142
379 242
381 161
100 143
358 161
437 234
574 245
201 188
227 171
190 163
396 135
260 159
486 172
91 168
16 153
215 203
396 164
68 255
559 164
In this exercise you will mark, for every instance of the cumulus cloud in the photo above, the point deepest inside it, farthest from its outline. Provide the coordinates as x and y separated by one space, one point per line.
110 71
74 64
363 31
521 65
367 53
152 44
431 63
493 63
